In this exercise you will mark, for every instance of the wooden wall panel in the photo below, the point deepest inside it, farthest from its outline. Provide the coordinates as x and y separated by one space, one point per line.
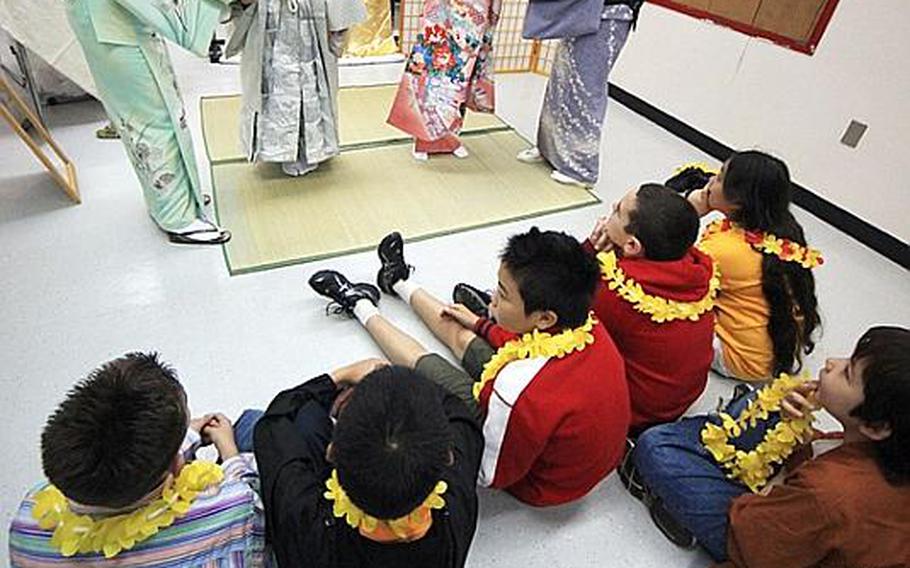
790 18
797 24
736 10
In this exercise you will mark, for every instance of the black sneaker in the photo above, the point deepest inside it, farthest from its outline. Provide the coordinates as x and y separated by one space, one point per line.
394 268
629 475
474 299
670 527
344 295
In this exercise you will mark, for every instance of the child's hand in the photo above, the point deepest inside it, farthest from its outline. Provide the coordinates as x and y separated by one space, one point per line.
199 423
700 199
599 238
460 314
801 401
221 433
355 372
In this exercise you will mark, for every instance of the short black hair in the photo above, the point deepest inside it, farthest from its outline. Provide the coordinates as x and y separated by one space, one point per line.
884 352
663 221
553 272
392 443
112 439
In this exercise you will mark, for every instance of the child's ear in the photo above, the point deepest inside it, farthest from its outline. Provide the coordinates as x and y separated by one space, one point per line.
632 248
875 432
545 319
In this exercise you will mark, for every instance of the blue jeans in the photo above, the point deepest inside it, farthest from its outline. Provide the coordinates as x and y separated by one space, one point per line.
310 422
674 465
243 429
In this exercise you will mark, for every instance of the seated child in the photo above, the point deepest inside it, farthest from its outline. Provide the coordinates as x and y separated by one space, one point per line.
846 507
392 483
655 297
767 309
546 378
124 490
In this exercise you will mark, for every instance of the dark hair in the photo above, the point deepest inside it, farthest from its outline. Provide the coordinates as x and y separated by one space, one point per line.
884 352
392 443
759 185
113 438
664 222
553 272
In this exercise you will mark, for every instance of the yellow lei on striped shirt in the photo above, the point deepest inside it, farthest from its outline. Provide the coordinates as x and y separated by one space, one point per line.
82 534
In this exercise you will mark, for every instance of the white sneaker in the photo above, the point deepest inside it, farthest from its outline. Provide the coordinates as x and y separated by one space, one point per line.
293 169
460 152
529 155
562 178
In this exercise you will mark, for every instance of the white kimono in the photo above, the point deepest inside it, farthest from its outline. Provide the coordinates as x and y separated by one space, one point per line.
289 73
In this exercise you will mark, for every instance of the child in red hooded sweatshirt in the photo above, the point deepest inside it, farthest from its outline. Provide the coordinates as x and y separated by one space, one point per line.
655 298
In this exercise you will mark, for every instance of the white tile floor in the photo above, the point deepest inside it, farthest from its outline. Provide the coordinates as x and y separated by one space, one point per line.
81 285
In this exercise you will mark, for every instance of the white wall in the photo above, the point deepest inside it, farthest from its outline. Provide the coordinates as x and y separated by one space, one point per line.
749 92
41 26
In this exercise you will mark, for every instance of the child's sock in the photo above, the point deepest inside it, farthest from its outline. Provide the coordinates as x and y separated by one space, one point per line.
405 289
364 310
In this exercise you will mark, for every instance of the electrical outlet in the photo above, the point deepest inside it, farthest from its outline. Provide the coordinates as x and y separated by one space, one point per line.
853 134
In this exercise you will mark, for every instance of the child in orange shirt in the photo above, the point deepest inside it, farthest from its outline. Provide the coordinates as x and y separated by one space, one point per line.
767 310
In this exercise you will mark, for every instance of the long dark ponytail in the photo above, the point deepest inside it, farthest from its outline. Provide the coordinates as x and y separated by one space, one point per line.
759 186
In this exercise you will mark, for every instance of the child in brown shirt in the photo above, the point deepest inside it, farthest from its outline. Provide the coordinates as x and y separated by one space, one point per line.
848 507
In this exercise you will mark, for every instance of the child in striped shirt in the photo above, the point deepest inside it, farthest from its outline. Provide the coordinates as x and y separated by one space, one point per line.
124 488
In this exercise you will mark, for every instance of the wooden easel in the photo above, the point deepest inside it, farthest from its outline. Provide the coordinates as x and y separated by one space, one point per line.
67 179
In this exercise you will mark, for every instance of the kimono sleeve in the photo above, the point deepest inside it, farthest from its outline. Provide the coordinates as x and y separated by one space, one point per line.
188 23
343 14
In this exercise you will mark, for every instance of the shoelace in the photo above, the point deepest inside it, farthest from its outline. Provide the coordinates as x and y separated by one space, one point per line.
335 308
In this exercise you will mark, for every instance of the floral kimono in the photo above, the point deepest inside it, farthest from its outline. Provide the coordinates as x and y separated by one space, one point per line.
450 68
123 42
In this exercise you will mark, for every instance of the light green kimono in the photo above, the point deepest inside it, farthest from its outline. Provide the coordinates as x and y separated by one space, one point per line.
123 41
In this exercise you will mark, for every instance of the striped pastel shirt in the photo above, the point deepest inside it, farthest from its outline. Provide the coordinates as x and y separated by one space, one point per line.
224 528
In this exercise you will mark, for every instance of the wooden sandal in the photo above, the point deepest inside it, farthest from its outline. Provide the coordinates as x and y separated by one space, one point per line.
188 238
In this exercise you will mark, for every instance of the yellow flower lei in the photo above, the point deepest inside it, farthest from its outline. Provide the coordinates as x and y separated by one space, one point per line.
698 166
660 309
356 518
766 243
81 534
537 344
753 468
